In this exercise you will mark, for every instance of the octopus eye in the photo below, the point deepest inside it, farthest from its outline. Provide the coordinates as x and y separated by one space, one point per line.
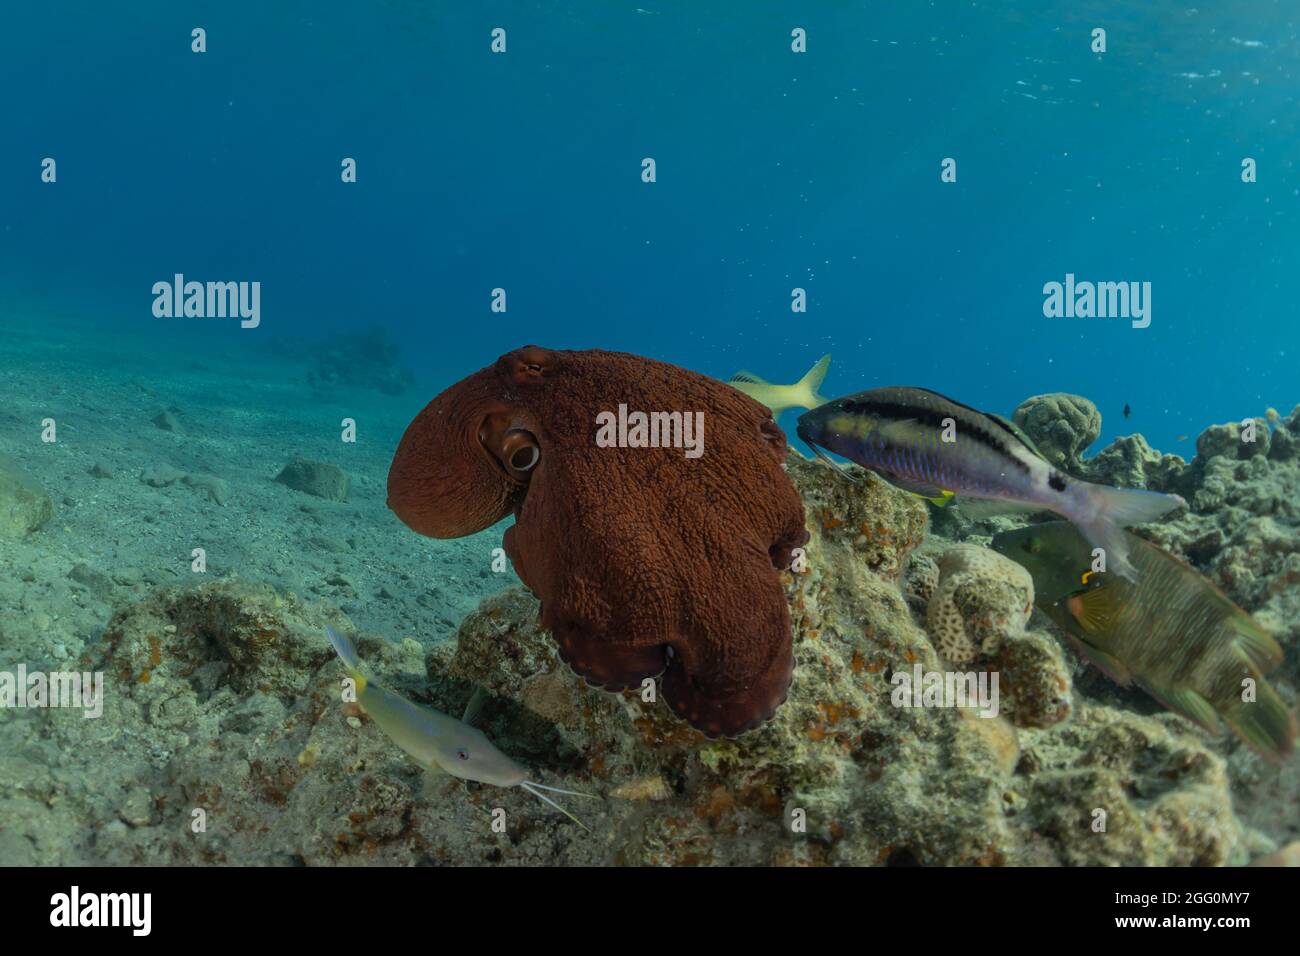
519 453
463 754
516 449
525 457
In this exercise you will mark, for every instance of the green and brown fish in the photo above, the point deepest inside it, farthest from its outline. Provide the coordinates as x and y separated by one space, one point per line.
1173 633
925 443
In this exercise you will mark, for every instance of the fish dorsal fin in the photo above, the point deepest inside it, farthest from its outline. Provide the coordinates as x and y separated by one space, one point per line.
1256 645
1006 425
474 709
1016 430
1094 608
748 378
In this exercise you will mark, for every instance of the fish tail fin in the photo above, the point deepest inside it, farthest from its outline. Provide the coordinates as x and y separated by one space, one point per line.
1114 509
806 388
1105 534
347 652
1130 506
1265 724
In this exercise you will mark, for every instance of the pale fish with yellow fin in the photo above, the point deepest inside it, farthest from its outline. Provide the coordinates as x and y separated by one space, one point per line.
438 741
779 398
1173 633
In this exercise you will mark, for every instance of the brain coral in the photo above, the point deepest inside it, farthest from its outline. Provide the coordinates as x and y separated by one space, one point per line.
981 598
1061 425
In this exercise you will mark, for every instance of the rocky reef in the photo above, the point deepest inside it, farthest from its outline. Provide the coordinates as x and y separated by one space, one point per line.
843 774
24 505
370 359
1241 529
1062 426
225 737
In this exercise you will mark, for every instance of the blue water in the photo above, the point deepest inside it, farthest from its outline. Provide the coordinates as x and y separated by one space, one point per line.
774 170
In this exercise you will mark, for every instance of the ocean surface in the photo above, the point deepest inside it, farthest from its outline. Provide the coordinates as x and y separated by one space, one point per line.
900 194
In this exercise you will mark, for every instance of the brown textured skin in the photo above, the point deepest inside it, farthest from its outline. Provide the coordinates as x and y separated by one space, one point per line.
631 551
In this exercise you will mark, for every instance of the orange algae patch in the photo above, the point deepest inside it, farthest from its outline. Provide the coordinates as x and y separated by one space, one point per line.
678 734
155 658
831 712
720 801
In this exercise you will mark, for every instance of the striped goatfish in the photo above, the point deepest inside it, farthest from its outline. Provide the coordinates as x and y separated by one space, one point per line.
930 445
1174 634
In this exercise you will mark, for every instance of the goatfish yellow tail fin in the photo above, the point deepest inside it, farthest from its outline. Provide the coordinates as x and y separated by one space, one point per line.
347 652
806 387
779 398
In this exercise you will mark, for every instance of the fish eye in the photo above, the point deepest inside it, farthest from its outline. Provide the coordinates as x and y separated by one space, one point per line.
462 753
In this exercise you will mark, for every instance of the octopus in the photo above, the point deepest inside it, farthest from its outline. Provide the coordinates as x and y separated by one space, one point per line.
648 563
